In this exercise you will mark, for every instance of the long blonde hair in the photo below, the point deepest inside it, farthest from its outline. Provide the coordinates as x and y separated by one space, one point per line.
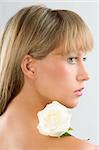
36 30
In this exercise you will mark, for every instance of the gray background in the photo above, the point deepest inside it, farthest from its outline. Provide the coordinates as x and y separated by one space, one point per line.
85 117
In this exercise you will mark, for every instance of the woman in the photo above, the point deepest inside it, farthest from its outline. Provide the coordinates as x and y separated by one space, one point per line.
42 51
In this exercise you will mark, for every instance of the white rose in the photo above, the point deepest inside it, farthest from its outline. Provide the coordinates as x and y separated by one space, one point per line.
54 120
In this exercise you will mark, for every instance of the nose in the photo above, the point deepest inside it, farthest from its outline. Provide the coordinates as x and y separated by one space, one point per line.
82 74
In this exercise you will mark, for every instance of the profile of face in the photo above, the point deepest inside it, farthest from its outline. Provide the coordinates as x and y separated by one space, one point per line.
48 48
60 77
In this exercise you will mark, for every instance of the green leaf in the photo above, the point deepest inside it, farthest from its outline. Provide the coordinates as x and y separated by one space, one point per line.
70 129
66 134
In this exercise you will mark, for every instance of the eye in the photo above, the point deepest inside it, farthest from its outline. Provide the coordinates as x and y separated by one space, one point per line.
72 60
84 59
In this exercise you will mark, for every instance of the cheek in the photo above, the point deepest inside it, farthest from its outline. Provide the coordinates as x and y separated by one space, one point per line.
54 75
54 72
60 72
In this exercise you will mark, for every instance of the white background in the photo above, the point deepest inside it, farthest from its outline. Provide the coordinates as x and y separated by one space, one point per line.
85 120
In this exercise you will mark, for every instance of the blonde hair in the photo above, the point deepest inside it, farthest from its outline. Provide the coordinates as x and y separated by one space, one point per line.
37 30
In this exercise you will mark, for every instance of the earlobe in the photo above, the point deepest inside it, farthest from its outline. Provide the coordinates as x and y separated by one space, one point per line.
28 67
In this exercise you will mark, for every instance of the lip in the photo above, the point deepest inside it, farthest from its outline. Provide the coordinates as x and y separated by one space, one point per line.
79 92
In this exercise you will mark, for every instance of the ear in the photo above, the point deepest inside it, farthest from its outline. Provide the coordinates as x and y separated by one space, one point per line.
28 66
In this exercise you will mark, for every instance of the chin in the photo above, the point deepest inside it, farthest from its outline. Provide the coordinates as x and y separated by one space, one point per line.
71 104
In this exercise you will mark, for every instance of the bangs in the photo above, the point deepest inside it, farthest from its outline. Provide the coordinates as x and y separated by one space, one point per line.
78 39
75 35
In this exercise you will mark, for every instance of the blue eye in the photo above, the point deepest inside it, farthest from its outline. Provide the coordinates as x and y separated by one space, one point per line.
72 60
84 59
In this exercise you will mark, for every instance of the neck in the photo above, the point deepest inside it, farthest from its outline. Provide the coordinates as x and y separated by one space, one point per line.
27 103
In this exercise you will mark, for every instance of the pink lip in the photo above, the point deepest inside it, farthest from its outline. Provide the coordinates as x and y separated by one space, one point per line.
79 92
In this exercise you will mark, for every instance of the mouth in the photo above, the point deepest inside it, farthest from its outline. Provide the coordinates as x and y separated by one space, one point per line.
79 92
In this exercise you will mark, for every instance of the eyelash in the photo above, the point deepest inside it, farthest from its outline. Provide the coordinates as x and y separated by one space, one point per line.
71 59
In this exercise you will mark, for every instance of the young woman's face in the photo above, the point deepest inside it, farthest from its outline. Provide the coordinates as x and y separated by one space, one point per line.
62 78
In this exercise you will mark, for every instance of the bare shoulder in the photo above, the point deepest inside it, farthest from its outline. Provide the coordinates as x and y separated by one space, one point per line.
23 139
73 143
79 144
84 145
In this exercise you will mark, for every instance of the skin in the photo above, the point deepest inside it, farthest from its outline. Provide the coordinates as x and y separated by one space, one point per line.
44 80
